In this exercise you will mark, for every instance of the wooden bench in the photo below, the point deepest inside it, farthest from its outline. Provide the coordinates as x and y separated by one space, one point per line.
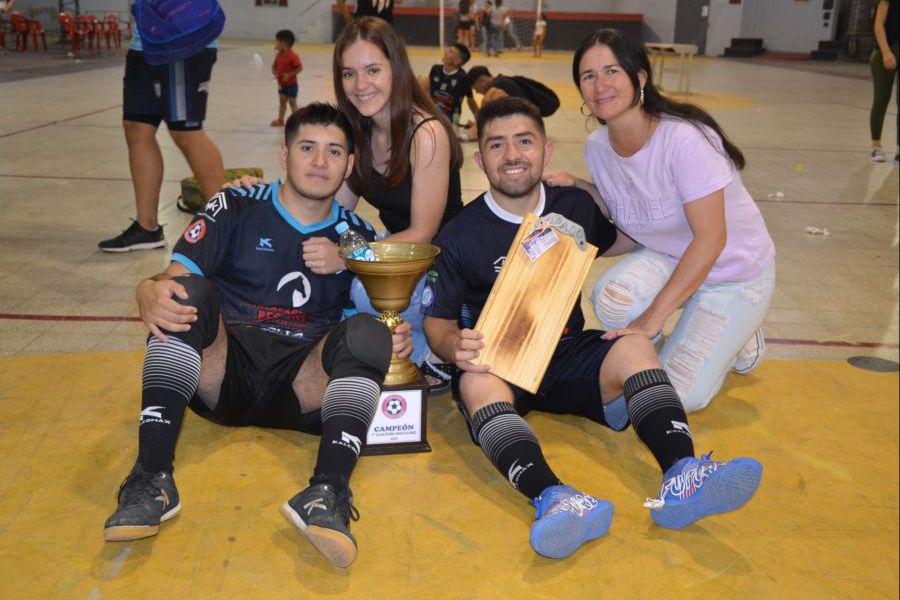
685 54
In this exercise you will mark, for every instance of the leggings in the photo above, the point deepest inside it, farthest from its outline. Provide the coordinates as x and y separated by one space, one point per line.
883 81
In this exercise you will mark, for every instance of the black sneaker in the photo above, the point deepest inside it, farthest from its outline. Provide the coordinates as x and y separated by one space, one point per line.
134 238
438 375
145 500
322 515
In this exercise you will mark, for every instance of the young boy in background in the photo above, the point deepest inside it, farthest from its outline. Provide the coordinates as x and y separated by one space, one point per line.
447 85
285 68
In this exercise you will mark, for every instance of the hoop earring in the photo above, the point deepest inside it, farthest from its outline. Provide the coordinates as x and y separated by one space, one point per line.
581 110
641 101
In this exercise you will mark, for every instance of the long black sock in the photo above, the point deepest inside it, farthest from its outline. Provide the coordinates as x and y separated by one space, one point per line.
347 410
658 416
170 379
512 446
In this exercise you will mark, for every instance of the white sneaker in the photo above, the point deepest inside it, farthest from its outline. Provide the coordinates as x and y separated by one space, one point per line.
750 356
877 155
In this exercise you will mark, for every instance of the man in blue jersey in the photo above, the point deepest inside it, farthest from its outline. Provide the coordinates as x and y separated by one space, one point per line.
246 329
612 379
176 93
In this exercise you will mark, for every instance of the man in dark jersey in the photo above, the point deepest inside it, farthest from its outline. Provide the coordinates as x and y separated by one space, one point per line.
246 331
383 9
447 85
590 371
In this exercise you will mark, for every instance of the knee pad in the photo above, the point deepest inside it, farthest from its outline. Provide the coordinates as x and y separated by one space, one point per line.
202 295
358 347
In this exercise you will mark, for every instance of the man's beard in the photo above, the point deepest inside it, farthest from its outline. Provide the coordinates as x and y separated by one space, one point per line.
516 189
309 194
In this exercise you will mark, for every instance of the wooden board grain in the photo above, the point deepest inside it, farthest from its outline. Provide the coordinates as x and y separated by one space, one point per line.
528 307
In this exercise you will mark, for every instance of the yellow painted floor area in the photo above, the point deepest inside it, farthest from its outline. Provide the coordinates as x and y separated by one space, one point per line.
824 523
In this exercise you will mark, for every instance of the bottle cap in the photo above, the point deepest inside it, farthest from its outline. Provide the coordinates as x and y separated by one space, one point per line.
342 227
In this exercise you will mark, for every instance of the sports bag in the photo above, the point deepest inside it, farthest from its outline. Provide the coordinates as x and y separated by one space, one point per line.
192 199
540 95
173 30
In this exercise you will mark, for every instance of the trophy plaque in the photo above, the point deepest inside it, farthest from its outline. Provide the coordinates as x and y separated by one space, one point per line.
400 419
531 300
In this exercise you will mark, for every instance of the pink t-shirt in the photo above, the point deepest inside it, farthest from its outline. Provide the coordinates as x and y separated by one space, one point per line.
646 194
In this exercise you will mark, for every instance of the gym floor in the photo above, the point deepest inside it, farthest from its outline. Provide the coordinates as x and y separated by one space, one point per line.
824 523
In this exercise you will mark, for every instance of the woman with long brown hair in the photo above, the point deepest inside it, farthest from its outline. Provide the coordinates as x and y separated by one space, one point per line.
407 157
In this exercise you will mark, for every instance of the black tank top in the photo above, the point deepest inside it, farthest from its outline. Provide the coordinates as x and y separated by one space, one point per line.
395 204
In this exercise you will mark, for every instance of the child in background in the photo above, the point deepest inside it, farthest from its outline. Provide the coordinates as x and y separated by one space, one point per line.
285 68
540 31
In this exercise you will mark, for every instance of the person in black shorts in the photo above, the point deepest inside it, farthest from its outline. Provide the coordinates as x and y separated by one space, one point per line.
177 94
246 332
590 371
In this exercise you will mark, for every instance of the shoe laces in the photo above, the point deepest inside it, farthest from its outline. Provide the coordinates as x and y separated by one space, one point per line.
345 507
692 474
137 486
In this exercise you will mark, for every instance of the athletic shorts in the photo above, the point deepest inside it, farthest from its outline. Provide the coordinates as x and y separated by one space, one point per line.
571 385
174 93
464 25
258 386
289 90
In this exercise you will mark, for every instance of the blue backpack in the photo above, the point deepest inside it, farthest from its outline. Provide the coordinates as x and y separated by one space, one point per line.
173 30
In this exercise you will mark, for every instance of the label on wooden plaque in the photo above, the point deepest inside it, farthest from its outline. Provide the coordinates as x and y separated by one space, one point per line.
398 418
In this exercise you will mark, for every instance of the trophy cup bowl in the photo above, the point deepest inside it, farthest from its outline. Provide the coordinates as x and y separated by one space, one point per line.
389 282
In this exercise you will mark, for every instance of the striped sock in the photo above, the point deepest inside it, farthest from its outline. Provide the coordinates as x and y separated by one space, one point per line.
347 410
512 446
170 379
658 416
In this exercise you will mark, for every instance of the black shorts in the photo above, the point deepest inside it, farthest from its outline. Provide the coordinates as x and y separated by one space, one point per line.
257 388
174 93
571 385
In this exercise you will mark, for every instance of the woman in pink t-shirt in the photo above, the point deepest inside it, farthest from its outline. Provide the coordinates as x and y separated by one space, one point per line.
669 178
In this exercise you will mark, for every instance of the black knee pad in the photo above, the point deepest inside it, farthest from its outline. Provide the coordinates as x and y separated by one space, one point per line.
202 295
358 347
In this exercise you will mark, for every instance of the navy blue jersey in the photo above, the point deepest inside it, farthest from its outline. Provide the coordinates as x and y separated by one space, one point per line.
448 91
247 243
474 246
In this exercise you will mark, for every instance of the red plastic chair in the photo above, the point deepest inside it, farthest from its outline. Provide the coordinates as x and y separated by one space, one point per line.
20 28
36 28
72 29
111 29
92 29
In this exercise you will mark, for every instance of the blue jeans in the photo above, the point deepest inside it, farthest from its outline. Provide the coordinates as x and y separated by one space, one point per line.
715 322
412 315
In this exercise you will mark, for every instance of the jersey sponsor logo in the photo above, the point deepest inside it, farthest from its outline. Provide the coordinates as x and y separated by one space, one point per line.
289 318
393 406
498 264
195 232
302 289
216 204
265 245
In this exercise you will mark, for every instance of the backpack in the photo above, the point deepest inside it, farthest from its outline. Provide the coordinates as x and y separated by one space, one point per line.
539 94
192 199
173 30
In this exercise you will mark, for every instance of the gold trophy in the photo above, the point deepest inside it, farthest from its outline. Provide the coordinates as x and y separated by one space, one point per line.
390 280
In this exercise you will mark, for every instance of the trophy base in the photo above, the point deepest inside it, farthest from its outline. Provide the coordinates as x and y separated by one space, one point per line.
401 419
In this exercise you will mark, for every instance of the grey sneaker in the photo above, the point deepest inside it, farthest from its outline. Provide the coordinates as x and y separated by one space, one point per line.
145 500
134 238
877 155
322 515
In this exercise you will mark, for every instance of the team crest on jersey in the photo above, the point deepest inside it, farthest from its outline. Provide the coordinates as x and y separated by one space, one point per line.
195 231
427 296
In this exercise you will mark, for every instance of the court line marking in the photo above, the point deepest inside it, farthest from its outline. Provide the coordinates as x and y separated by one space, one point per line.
105 319
58 121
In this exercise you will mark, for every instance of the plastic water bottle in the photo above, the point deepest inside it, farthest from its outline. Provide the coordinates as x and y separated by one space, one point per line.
353 245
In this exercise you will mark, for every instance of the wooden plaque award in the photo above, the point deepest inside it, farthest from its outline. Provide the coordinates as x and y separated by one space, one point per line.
532 298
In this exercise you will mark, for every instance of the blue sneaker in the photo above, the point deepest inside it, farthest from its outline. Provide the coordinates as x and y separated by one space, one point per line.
567 518
694 488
